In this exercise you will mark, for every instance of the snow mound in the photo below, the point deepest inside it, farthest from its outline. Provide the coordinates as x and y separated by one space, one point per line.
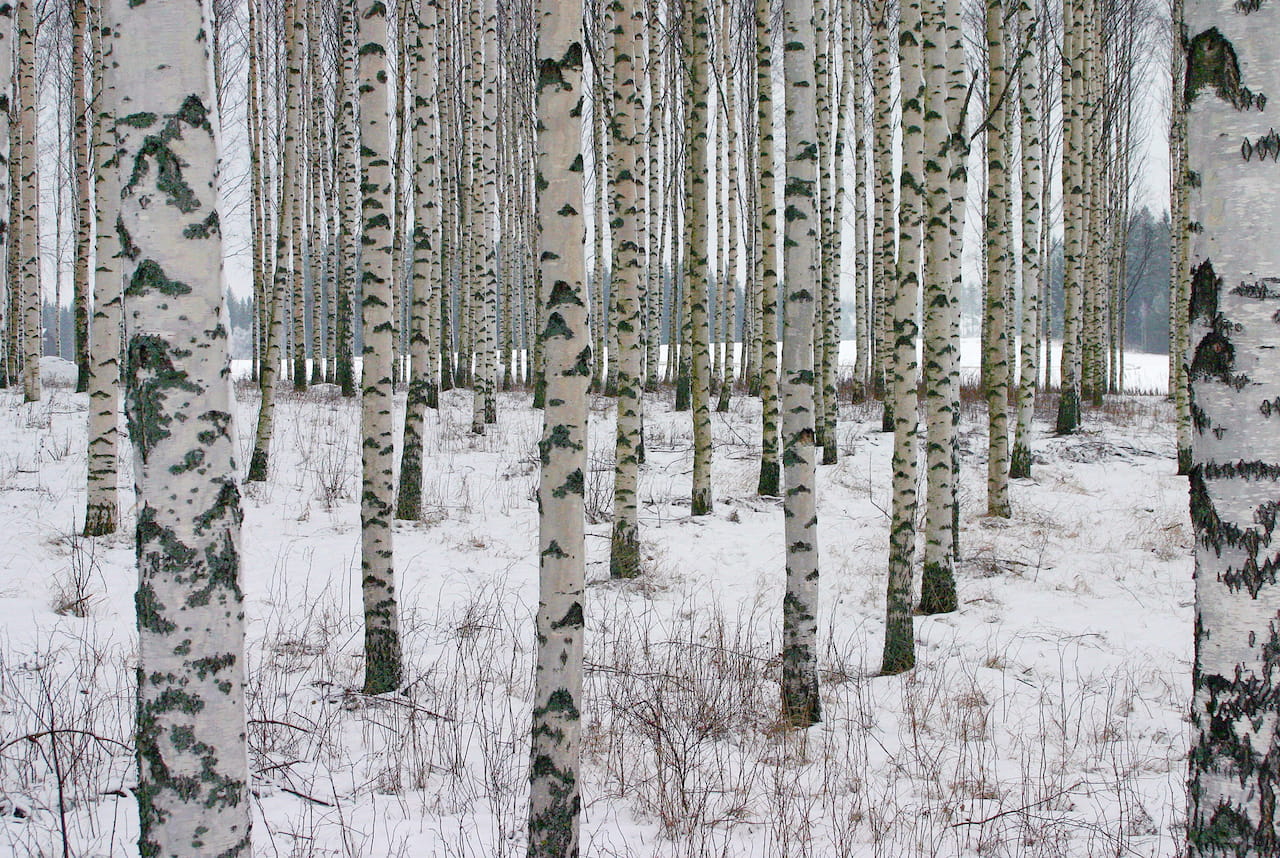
57 372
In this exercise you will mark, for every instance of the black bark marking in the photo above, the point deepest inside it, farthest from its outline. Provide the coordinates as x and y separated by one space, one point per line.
1212 63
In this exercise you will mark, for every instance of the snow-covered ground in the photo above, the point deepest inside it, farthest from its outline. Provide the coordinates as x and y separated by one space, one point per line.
1045 717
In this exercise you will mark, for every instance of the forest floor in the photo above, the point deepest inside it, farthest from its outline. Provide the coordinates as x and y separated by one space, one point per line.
1046 717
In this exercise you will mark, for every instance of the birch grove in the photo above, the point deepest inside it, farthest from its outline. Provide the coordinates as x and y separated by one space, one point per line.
803 268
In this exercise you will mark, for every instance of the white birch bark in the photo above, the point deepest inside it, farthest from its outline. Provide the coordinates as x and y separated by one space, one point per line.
287 236
82 164
696 27
995 348
377 458
12 324
937 587
767 254
801 705
899 636
1073 187
884 258
28 189
1232 73
555 799
349 193
422 382
1029 99
193 795
101 513
628 182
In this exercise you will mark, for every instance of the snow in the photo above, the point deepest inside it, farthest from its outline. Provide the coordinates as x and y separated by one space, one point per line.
1045 718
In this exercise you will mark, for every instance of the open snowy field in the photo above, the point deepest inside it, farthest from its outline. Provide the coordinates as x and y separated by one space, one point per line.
1045 718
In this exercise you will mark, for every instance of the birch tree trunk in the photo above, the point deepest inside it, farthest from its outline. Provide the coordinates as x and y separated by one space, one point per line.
425 275
192 765
1232 71
1073 135
801 705
315 158
767 253
937 587
555 800
1020 459
696 26
101 512
82 164
29 189
487 232
349 192
1180 235
627 231
288 227
377 460
886 221
995 348
899 635
257 192
9 345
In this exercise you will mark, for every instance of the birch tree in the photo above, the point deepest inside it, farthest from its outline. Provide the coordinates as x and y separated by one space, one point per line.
1232 68
28 191
1028 72
899 637
82 165
288 236
995 348
627 230
9 344
382 669
555 800
941 305
1073 137
193 773
886 221
1180 241
801 706
767 252
425 264
104 368
695 33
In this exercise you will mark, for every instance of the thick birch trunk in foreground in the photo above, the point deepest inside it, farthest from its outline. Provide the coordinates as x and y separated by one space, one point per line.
101 510
628 181
899 633
555 802
28 191
193 795
801 705
382 670
1232 72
